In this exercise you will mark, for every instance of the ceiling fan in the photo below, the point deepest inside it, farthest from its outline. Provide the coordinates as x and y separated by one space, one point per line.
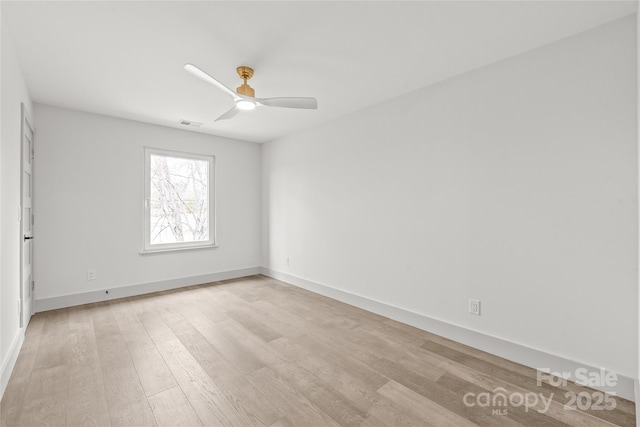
245 98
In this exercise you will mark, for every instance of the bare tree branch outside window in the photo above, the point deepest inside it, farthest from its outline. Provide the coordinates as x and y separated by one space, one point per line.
179 200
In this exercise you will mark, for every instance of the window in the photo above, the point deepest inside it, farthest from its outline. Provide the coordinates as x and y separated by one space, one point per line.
179 201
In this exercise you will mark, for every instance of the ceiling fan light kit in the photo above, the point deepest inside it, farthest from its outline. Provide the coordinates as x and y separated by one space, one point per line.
246 105
244 97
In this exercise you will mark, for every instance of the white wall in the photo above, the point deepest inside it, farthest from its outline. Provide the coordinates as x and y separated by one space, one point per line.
14 92
515 184
89 195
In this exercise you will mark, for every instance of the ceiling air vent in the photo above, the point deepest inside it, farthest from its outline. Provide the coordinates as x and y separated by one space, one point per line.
190 123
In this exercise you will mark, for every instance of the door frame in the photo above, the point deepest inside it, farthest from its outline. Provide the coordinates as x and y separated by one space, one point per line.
26 294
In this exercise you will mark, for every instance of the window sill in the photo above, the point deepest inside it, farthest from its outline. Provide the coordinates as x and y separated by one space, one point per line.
168 250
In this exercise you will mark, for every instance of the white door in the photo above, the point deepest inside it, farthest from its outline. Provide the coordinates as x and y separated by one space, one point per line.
26 254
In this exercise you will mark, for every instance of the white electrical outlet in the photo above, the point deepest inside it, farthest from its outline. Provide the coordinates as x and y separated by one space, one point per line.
91 275
474 306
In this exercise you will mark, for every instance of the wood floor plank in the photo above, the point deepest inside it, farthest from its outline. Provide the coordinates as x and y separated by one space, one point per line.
415 335
208 401
622 404
126 399
206 398
367 339
205 301
614 416
555 410
239 392
252 401
256 327
54 337
316 310
422 367
13 400
372 421
435 392
389 413
359 384
283 322
86 393
234 353
224 301
332 403
283 422
361 395
157 329
305 327
323 396
343 345
344 361
406 337
425 408
246 294
299 410
171 408
251 343
153 372
45 398
519 414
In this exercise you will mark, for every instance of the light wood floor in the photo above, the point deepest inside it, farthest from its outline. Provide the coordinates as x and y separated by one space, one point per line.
258 352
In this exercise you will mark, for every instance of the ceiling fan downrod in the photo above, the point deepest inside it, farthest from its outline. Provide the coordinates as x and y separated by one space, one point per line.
245 74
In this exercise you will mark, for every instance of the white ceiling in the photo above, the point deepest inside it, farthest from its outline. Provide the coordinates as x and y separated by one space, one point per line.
125 59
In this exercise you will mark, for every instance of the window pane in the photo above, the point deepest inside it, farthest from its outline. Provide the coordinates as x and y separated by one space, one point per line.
179 200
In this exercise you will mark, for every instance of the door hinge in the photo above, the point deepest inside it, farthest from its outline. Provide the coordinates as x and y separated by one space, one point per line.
33 286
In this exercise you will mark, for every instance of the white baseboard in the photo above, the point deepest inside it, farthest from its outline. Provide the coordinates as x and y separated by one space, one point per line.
63 301
9 363
515 352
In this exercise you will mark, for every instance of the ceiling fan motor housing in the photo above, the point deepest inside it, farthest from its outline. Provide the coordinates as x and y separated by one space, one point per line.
245 74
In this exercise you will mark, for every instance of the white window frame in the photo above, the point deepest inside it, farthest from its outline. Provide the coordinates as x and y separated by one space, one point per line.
148 248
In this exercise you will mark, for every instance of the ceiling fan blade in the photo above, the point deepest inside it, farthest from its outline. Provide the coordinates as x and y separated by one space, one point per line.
207 78
229 114
306 103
